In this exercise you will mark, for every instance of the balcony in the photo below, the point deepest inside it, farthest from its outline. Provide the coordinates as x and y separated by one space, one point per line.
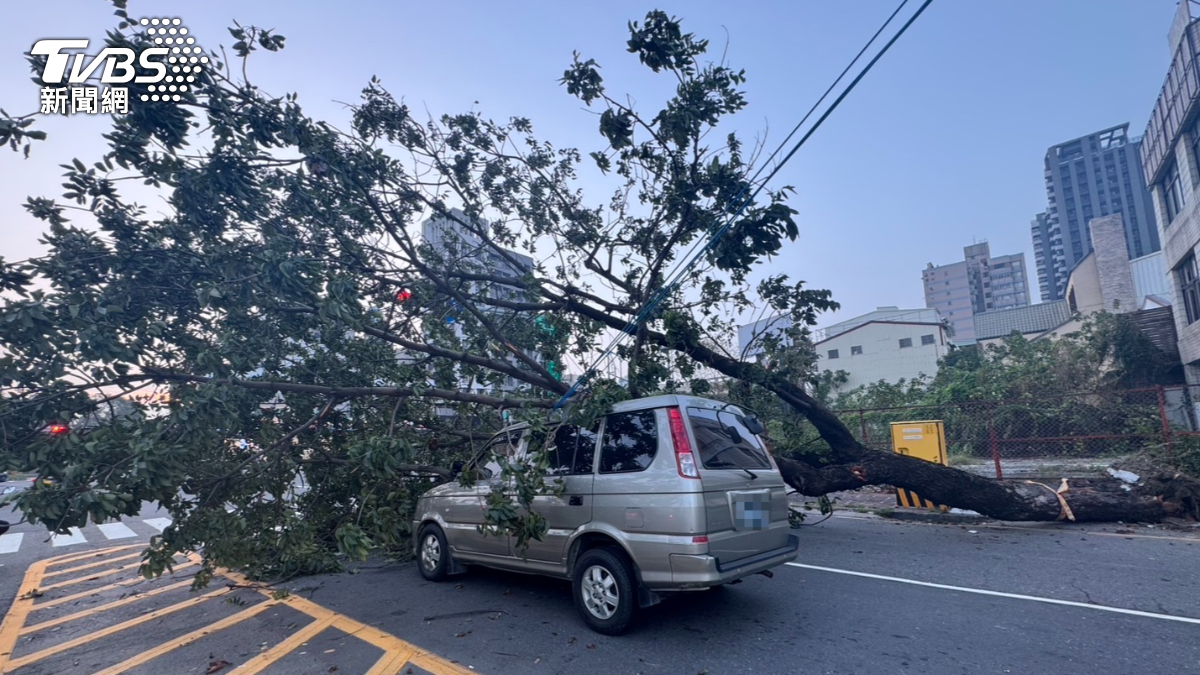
1174 105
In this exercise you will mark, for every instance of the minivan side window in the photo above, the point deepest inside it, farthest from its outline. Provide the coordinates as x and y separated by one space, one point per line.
630 442
573 450
504 445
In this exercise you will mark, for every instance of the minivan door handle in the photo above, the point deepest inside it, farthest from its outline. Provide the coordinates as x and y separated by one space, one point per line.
575 500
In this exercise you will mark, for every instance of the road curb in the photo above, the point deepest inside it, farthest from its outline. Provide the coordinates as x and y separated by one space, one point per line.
923 516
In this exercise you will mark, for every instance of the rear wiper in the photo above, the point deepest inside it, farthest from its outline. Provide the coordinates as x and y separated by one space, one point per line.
753 476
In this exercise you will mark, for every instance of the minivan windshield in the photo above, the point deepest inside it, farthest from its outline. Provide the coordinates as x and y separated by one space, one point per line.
718 450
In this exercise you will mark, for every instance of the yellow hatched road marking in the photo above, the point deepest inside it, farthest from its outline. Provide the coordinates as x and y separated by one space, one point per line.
83 594
184 640
101 563
264 660
109 630
391 662
11 626
101 608
63 560
438 665
396 652
92 577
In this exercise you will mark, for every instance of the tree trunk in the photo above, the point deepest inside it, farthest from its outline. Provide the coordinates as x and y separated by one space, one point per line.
1003 500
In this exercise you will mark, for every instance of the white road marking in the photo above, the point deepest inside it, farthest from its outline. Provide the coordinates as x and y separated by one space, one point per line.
76 537
999 594
116 530
9 543
159 524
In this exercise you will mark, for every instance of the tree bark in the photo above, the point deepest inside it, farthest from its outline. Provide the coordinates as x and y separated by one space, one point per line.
1003 500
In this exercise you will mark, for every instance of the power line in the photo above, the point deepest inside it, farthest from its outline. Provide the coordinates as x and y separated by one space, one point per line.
668 288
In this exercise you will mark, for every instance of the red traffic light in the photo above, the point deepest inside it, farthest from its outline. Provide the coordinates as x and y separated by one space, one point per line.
403 295
59 429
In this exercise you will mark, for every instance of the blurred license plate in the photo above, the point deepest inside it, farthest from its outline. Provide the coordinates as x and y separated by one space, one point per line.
751 514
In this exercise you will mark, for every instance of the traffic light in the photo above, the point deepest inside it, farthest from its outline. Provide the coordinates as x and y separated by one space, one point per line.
403 295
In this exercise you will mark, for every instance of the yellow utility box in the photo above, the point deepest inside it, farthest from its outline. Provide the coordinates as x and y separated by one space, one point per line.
924 440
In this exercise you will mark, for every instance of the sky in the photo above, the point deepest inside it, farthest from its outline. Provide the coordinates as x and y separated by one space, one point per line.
940 146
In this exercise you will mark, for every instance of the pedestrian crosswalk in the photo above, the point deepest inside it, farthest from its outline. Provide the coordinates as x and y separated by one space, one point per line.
12 542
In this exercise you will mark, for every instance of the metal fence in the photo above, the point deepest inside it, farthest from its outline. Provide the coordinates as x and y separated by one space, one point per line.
1077 433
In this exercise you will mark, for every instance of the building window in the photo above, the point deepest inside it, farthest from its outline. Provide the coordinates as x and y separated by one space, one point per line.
1196 141
905 343
1189 287
1172 192
833 353
856 350
927 339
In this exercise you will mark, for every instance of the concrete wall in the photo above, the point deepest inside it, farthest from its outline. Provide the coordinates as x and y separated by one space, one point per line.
1112 264
1083 288
1150 276
1180 238
882 358
749 336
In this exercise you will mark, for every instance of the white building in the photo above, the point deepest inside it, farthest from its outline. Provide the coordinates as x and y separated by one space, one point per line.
889 344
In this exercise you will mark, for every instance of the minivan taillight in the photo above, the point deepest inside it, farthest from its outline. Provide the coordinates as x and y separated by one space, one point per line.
684 458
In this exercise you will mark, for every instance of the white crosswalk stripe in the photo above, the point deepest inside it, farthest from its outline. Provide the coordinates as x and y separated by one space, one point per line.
159 524
76 537
13 541
116 530
9 543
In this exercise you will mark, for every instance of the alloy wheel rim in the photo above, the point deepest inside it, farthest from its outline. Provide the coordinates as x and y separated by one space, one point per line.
600 593
431 552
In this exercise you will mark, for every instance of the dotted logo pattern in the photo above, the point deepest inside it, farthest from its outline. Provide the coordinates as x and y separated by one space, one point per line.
186 59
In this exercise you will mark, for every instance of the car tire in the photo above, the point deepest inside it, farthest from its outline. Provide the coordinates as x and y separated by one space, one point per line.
433 554
605 591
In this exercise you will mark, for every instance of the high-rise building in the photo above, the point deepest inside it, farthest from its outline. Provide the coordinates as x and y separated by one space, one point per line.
462 249
1170 158
1040 228
1089 177
979 283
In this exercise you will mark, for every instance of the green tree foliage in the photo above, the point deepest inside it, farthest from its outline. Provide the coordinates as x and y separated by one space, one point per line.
324 363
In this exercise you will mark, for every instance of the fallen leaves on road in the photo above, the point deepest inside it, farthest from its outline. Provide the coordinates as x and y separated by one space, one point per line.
217 665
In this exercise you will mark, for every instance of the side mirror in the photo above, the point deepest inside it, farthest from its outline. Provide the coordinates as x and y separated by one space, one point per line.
3 526
456 469
753 425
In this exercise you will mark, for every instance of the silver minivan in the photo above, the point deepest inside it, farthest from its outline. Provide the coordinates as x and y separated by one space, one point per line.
668 493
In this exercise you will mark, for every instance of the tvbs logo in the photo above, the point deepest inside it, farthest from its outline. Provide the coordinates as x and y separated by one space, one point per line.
168 69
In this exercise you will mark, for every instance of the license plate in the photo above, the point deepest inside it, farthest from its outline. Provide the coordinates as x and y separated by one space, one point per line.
751 515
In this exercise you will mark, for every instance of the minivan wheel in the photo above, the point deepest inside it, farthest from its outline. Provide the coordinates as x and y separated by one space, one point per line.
605 593
433 555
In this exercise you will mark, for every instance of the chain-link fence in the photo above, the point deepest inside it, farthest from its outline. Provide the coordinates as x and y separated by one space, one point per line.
1078 433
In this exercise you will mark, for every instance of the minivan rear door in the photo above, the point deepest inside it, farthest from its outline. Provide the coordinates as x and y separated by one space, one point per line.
744 494
571 454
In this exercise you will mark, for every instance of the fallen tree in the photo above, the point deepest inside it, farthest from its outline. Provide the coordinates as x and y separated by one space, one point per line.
360 309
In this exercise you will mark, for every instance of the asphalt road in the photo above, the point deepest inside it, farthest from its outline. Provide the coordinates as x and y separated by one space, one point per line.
1040 599
815 621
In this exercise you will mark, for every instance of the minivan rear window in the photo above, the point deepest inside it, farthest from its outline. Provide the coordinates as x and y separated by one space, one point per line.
717 449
